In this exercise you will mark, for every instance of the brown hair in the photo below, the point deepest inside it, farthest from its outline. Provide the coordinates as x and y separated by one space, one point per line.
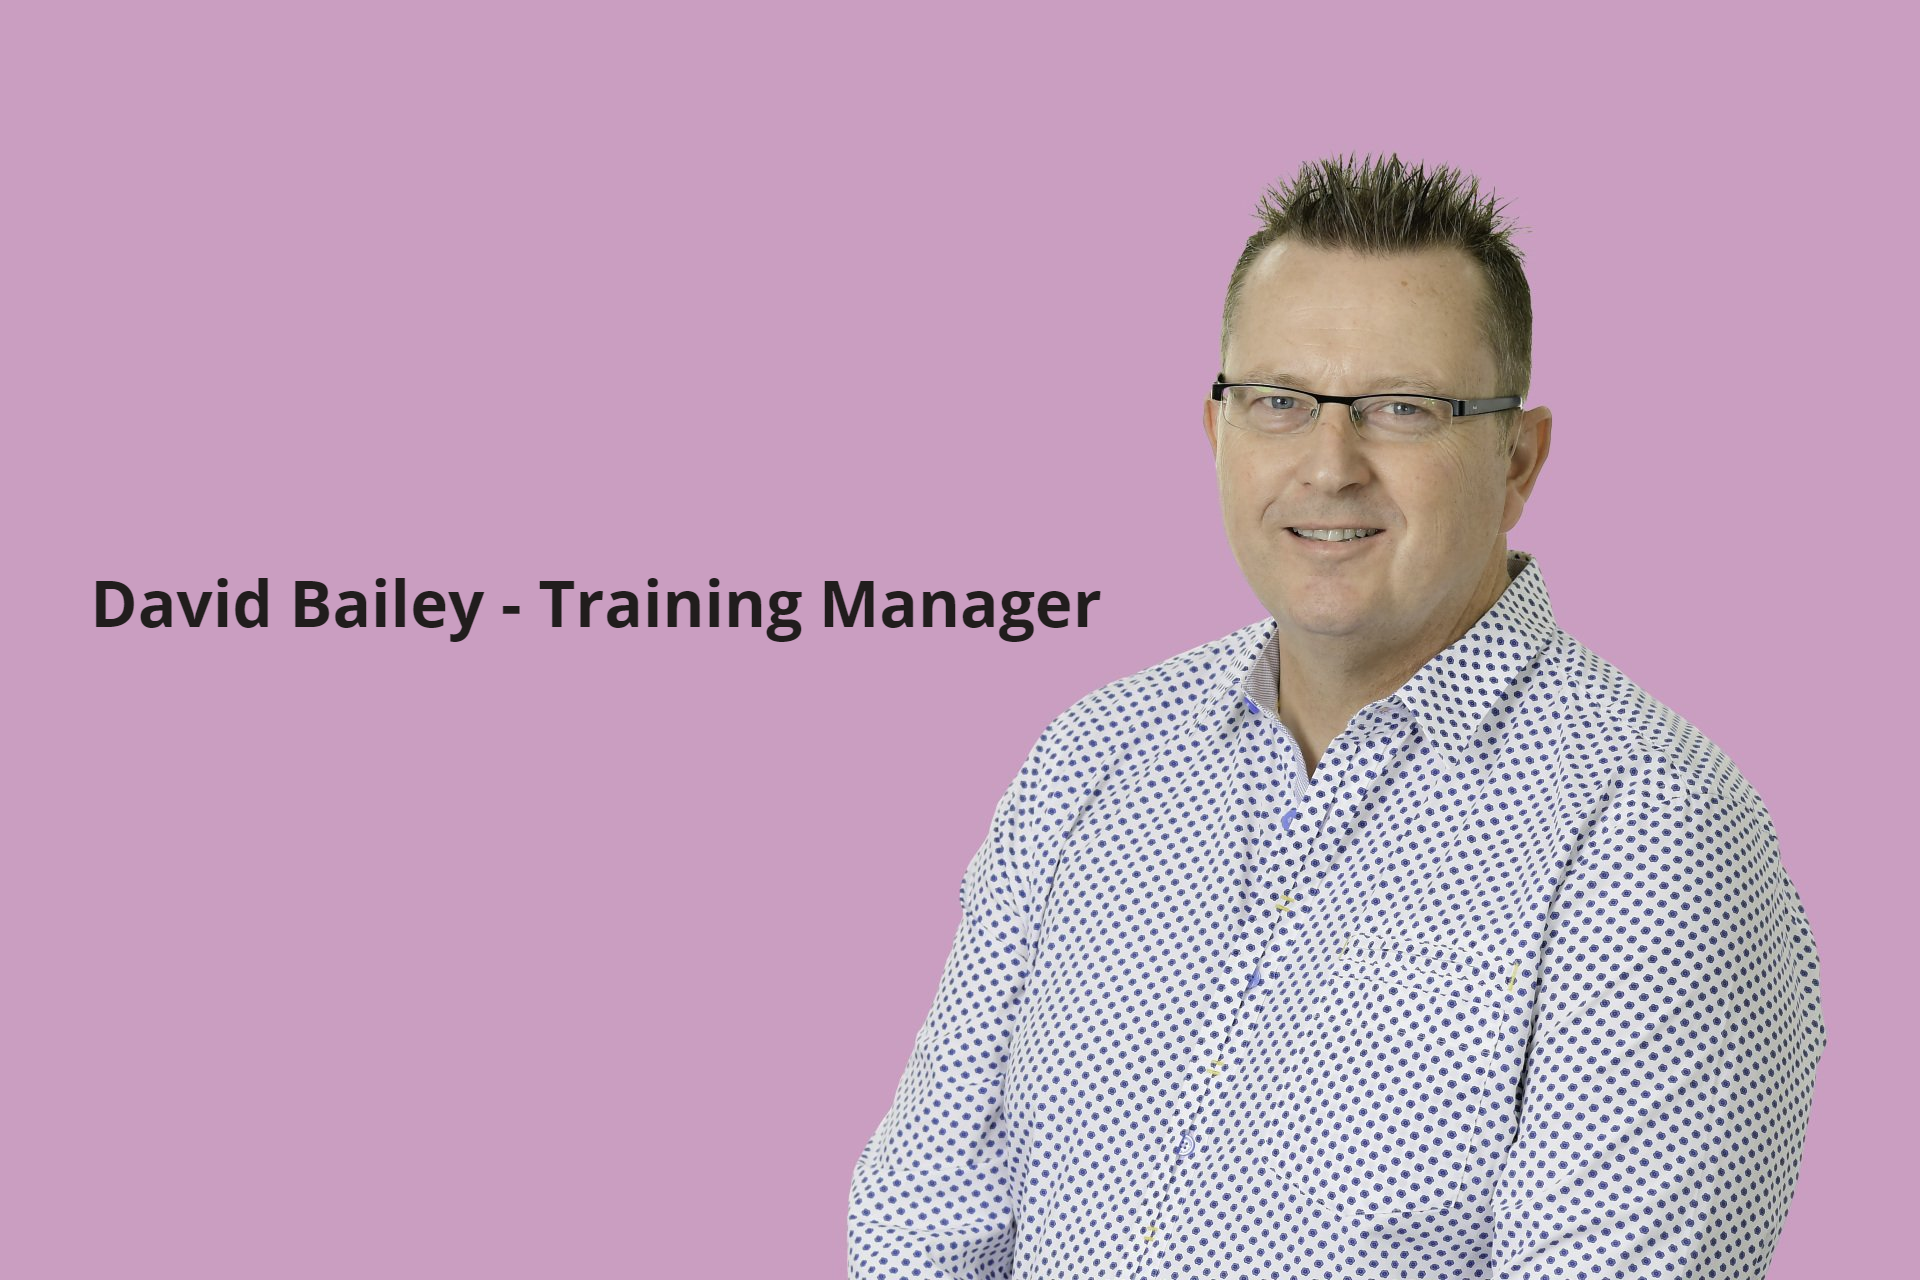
1380 206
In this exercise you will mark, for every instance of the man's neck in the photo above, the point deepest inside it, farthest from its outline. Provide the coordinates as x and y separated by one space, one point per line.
1324 680
1319 692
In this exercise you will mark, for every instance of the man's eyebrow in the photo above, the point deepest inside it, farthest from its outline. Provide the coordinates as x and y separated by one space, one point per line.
1391 382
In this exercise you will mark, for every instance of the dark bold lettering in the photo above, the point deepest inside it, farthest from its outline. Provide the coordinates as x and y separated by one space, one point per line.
100 589
310 595
1014 625
466 615
240 606
861 604
556 586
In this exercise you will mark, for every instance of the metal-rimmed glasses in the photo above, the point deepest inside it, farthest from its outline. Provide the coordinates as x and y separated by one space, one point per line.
1267 410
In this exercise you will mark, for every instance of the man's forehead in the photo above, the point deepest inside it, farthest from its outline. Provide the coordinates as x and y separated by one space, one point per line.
1401 321
1431 264
1433 384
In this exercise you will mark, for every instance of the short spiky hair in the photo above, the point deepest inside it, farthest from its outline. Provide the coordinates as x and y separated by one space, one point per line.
1380 206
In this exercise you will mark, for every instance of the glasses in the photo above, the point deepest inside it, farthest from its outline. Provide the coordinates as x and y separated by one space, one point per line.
1287 411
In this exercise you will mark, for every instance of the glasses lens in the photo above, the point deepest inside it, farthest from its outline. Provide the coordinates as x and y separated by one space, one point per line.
1273 410
1401 417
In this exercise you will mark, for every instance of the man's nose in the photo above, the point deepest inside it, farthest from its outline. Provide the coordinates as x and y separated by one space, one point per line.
1334 457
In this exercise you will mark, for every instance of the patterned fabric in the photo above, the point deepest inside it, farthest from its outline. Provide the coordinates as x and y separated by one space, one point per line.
1514 984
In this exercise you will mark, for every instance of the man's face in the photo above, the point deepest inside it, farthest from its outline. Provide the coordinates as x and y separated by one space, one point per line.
1343 324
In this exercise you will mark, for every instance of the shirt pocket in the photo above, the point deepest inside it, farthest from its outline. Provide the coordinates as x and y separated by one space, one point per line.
946 1111
1382 1103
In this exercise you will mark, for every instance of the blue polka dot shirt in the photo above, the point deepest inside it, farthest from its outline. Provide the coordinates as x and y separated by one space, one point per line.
1513 984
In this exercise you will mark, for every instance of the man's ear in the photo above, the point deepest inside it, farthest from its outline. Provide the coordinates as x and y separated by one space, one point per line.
1207 407
1532 439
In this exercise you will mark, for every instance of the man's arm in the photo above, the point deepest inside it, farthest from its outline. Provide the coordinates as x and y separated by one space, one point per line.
933 1191
1664 1103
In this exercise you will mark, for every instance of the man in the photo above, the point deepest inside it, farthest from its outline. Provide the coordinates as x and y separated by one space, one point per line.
1396 934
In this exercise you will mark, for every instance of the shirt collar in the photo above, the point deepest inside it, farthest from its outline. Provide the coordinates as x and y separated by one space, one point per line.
1459 687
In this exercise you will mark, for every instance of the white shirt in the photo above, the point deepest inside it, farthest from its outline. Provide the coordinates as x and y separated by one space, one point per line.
1514 984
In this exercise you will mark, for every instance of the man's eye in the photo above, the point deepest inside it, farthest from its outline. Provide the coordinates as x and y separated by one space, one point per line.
1405 414
1278 404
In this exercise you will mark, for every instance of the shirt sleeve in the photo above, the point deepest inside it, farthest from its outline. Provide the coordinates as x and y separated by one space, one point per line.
933 1193
1664 1098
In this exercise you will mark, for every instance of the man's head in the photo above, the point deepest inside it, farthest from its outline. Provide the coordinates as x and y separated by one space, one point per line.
1364 279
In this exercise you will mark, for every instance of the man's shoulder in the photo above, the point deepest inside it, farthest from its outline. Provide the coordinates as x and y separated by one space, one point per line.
1618 728
1615 728
1159 700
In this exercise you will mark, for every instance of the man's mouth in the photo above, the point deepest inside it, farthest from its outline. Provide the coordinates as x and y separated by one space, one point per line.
1332 535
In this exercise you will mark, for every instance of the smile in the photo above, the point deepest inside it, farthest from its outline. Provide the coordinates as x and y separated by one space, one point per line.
1333 535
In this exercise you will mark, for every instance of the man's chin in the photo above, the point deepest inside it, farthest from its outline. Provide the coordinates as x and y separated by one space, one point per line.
1330 614
1329 625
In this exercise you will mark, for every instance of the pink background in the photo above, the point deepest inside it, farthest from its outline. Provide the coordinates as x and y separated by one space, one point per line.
599 953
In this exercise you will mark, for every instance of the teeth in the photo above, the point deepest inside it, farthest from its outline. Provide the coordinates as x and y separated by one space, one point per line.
1334 535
